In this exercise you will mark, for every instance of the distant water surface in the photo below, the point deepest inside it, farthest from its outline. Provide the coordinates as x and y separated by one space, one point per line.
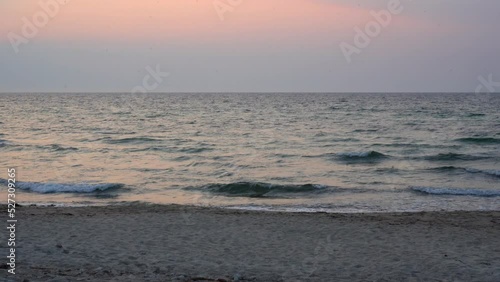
307 152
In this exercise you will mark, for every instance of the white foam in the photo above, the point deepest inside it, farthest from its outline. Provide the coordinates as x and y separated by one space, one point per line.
296 209
320 186
64 188
456 191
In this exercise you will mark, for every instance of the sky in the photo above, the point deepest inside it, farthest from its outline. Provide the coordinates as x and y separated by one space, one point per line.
248 45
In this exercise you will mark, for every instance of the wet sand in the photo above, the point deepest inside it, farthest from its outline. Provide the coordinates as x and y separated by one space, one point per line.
173 243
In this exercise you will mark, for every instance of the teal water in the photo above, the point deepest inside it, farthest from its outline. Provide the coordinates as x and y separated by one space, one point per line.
332 152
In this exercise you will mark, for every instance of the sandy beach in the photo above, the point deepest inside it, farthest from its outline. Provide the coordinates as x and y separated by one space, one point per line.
174 243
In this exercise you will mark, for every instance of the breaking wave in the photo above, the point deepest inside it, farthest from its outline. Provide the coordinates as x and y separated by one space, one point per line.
258 189
46 188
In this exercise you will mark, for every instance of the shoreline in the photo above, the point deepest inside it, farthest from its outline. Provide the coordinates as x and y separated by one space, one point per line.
137 242
159 207
250 208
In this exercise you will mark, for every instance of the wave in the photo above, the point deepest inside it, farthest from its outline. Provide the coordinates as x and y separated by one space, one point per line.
334 140
489 172
454 157
56 147
368 155
130 140
46 188
479 140
365 130
258 189
115 133
156 115
195 150
152 149
456 191
484 171
476 115
51 147
445 168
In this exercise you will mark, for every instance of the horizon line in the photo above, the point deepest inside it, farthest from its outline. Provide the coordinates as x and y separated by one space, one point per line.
252 92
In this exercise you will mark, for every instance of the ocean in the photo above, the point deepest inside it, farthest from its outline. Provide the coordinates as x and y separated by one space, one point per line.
370 152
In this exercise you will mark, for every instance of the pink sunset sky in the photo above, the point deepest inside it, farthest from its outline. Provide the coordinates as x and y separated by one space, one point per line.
246 46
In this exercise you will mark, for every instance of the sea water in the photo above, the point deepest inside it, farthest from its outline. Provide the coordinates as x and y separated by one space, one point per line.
292 152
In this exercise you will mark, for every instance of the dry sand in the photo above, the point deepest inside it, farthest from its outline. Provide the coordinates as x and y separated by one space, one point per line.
172 243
